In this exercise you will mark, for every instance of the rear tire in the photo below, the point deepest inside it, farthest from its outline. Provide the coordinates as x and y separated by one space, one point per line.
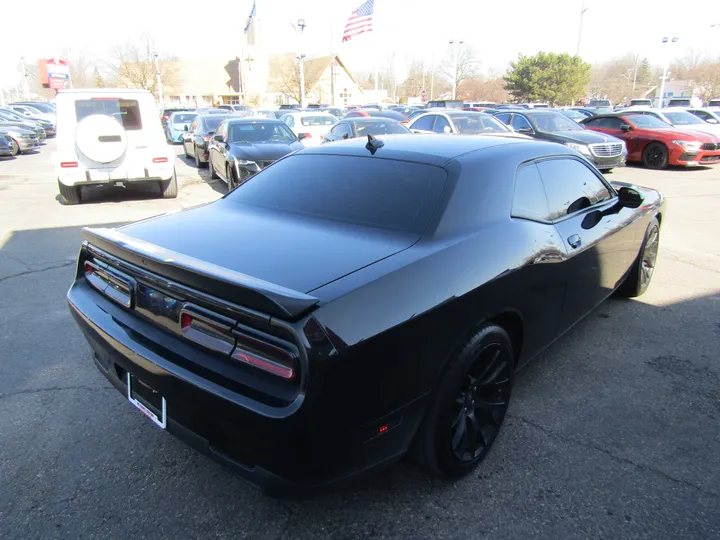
16 151
468 406
655 156
641 273
70 194
213 174
168 188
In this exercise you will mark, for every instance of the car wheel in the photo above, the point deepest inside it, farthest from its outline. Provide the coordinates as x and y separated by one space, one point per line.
655 156
213 174
468 406
16 148
640 275
199 164
70 194
605 171
187 156
168 188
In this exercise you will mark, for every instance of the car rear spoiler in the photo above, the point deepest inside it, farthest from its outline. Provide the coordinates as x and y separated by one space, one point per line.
229 285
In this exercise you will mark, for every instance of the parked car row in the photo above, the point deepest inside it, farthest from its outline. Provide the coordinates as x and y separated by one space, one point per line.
24 127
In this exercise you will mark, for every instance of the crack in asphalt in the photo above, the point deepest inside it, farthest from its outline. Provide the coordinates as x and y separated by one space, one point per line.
26 272
695 265
55 389
639 466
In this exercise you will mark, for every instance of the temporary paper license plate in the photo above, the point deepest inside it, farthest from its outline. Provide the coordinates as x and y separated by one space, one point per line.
146 399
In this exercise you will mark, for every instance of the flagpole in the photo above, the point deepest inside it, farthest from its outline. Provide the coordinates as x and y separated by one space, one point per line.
377 55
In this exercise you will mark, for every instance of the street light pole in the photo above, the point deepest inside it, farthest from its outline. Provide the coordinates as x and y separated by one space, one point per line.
665 70
301 25
583 9
26 92
159 82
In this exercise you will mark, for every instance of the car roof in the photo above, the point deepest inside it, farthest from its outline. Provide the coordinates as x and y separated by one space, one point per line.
303 114
430 149
367 119
253 120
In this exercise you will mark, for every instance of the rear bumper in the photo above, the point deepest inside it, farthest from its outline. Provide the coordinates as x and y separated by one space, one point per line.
79 176
286 454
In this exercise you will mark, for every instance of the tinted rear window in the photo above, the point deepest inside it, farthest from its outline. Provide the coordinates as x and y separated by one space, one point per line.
367 191
212 122
183 118
125 111
318 120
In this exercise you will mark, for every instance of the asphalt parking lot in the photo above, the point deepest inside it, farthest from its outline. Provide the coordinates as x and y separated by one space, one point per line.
613 432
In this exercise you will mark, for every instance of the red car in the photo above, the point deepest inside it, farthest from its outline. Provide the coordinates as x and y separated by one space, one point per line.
366 113
655 143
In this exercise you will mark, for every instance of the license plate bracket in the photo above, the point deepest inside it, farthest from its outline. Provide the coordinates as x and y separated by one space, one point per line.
145 399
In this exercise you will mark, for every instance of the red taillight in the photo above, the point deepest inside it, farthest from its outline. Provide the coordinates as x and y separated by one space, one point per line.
267 365
382 429
68 164
160 160
206 139
308 135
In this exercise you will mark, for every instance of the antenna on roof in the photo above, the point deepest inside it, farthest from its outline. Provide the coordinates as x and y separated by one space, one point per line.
373 144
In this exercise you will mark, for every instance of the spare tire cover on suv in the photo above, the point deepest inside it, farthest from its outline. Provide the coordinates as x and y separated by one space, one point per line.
101 138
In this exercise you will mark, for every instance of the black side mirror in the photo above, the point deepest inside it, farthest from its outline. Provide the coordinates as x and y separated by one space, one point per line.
218 138
345 135
301 136
525 130
187 128
629 197
626 127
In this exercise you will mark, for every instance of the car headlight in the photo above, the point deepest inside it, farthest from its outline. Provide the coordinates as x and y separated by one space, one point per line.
582 148
690 145
244 162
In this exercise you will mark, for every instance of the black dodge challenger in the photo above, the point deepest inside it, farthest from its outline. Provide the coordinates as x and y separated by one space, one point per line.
357 300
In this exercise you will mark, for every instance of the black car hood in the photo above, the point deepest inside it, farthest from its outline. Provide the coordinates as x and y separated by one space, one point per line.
293 251
580 136
263 151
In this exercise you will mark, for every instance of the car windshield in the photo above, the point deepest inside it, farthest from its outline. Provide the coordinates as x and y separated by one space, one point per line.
41 107
11 114
380 127
646 121
213 121
554 122
183 118
477 123
682 118
318 120
575 115
259 132
380 193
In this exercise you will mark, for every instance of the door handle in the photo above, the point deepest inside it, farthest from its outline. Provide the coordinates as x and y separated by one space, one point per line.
575 241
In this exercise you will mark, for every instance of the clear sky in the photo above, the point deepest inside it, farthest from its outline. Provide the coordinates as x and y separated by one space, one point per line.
498 30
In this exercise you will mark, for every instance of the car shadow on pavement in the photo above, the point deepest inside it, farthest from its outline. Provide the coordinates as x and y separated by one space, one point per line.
613 428
673 168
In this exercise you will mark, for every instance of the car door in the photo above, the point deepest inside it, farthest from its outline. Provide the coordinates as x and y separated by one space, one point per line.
216 147
521 124
614 126
188 136
599 241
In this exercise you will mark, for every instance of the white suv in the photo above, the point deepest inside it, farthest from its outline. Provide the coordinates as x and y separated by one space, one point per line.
111 136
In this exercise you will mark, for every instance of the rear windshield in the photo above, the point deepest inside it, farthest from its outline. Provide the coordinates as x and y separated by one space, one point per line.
682 118
380 127
183 118
125 111
387 194
256 132
318 120
477 123
213 121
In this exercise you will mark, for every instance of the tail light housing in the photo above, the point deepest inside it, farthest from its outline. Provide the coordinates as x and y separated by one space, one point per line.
68 164
159 160
116 287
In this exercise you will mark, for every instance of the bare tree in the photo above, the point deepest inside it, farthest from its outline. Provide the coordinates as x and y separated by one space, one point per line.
285 75
484 89
703 73
627 76
134 65
468 65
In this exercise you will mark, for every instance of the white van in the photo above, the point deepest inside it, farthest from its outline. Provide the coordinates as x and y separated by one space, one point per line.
111 136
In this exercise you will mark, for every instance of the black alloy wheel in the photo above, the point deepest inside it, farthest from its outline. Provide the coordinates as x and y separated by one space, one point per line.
655 156
642 271
198 163
469 404
481 404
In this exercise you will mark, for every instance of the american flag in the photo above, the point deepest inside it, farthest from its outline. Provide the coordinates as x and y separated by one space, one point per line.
360 21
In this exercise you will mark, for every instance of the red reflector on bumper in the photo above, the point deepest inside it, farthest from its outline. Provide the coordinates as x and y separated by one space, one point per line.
271 367
160 160
68 164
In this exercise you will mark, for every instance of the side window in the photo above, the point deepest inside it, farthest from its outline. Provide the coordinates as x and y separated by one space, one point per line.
221 130
519 122
606 123
529 200
570 186
342 131
503 117
425 123
193 126
440 124
289 120
702 115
